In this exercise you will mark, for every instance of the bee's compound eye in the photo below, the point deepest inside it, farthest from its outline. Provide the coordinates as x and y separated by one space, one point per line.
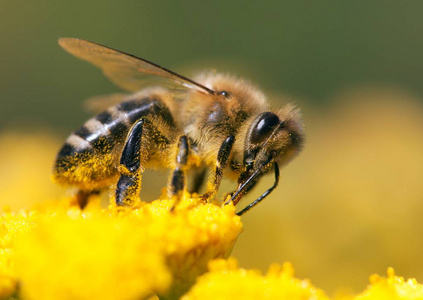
264 126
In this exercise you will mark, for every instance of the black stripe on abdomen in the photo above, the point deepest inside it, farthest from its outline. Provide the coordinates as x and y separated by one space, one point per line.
105 118
136 109
83 132
67 150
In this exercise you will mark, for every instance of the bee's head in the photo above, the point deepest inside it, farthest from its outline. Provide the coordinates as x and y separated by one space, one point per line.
277 135
272 139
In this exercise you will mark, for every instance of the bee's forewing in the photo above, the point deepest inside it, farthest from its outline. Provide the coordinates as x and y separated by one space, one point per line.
125 70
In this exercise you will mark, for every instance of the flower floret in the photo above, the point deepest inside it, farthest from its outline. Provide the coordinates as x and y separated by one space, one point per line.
393 287
118 252
226 281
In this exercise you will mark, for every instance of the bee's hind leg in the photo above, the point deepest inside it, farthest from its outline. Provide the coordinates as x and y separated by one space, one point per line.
177 182
221 163
82 197
129 184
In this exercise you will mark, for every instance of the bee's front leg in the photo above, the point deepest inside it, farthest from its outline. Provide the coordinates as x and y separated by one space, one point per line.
264 195
221 163
129 184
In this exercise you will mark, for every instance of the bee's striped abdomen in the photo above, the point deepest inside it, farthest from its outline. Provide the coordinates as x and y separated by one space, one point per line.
91 153
107 128
99 134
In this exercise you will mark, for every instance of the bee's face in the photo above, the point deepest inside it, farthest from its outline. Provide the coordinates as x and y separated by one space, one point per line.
273 137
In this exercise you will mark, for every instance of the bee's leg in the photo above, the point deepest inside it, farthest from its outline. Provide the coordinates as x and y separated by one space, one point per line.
221 163
129 184
82 197
264 195
177 181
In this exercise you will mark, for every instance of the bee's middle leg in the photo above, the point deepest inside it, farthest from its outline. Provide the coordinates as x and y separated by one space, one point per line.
221 163
177 182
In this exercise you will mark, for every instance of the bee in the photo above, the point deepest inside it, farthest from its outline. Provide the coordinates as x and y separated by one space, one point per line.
216 123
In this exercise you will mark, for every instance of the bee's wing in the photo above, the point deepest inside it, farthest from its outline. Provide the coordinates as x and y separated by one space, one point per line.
125 70
97 104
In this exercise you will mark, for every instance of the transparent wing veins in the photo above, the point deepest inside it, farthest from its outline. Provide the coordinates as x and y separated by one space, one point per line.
125 70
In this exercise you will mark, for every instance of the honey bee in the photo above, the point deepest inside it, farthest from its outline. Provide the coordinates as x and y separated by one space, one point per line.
215 122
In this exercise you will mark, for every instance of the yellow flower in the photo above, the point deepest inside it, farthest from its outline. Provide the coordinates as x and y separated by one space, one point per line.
392 288
62 252
57 251
226 281
116 253
12 225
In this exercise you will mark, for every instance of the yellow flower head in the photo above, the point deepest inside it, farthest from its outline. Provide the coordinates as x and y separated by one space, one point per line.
226 281
120 253
12 225
392 288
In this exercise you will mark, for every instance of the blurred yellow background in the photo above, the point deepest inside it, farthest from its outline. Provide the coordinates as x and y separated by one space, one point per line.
350 205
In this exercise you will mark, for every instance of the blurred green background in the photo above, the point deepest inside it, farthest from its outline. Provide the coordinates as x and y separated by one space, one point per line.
308 49
349 206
